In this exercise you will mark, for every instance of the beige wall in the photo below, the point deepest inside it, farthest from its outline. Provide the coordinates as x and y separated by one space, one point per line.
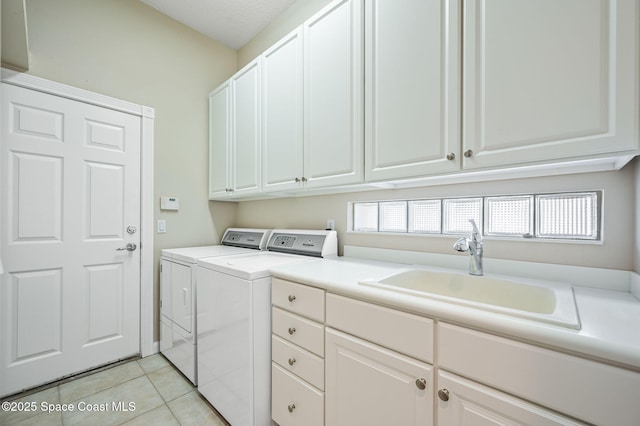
125 49
616 251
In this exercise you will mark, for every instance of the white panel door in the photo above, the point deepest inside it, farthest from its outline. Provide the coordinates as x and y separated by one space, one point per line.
548 79
333 79
282 114
245 153
367 384
412 88
70 300
220 141
462 402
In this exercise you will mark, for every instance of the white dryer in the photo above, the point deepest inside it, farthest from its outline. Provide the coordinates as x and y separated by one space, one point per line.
234 323
178 336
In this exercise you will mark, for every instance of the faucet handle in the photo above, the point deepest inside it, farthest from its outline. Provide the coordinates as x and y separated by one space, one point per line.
476 235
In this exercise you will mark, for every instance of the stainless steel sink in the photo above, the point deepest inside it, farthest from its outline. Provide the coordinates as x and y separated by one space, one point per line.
536 300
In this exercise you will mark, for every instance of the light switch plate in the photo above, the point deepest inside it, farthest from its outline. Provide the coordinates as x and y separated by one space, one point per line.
161 227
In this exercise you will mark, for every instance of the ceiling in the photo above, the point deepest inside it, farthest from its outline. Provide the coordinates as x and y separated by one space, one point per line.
231 22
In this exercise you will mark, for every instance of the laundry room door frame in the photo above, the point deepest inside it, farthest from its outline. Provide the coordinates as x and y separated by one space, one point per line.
147 303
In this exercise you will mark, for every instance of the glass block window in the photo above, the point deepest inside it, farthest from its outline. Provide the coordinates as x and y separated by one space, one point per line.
393 216
509 216
365 217
567 216
458 211
425 216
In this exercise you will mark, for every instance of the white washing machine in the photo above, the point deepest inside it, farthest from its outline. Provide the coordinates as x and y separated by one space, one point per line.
178 336
234 323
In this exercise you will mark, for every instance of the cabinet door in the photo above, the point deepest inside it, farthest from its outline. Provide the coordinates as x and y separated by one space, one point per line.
219 141
333 144
548 79
472 404
246 147
282 114
369 385
412 92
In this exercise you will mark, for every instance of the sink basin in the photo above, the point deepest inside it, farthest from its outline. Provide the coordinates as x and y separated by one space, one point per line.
539 301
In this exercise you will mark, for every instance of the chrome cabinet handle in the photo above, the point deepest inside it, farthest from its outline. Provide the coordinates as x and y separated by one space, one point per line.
291 408
128 247
292 361
443 394
451 156
292 330
421 383
468 153
304 179
291 298
297 179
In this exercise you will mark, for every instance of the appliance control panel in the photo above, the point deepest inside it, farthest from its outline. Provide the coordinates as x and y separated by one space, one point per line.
249 238
309 243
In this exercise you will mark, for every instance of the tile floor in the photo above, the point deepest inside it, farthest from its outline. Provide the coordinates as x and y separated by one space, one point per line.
147 391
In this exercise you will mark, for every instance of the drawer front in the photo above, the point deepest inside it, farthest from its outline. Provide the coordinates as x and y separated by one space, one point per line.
300 331
294 402
405 333
581 388
298 298
303 363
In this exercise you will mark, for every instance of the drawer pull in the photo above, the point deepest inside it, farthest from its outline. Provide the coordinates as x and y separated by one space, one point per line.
421 384
292 361
292 330
291 298
291 408
443 394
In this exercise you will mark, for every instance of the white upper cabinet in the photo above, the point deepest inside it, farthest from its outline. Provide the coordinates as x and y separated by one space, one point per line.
219 141
333 103
377 90
412 92
235 136
547 79
282 114
246 174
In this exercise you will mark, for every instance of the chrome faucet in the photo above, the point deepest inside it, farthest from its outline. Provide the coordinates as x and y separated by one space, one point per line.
474 246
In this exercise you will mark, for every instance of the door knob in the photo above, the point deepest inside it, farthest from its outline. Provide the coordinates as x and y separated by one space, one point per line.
128 247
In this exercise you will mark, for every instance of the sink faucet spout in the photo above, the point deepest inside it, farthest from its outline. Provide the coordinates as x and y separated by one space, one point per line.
473 245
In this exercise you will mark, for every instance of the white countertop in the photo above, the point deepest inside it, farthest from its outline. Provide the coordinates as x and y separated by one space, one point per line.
609 318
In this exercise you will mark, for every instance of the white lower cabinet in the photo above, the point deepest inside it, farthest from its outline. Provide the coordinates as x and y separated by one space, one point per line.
463 402
367 384
341 361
